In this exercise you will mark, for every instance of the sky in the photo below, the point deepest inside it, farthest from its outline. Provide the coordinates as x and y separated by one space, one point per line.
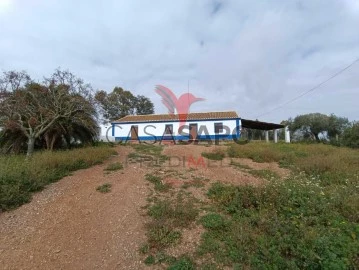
247 56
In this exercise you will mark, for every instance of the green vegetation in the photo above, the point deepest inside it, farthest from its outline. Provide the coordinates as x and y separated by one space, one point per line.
120 103
158 184
217 154
351 136
265 174
147 153
183 263
287 224
105 188
309 221
239 165
168 217
54 114
20 176
114 166
178 214
334 165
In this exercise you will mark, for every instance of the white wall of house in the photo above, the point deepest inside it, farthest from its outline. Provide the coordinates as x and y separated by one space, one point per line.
147 131
106 133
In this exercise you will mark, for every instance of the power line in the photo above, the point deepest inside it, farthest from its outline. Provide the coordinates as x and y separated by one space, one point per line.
312 89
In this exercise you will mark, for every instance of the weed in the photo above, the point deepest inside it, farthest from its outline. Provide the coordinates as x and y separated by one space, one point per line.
157 181
197 183
150 260
145 248
179 214
265 174
183 263
217 154
213 221
20 177
161 235
239 165
114 166
105 188
287 224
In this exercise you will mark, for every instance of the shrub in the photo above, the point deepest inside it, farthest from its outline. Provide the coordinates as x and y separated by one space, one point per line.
157 181
184 263
19 177
161 235
105 188
351 136
178 214
217 154
213 221
114 166
296 223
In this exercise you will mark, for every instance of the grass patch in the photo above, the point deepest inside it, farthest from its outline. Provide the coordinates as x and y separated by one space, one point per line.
265 174
213 221
334 165
285 224
183 263
148 153
114 166
168 216
161 236
178 214
217 154
105 188
239 165
197 183
20 177
157 181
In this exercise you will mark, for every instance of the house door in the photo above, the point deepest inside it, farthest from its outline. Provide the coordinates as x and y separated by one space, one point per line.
193 132
134 132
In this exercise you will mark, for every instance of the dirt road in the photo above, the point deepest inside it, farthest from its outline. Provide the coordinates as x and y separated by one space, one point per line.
70 225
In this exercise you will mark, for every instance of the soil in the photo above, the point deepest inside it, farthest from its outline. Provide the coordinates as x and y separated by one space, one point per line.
70 225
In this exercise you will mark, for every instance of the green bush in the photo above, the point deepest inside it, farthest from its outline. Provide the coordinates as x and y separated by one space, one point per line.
178 214
213 221
114 166
184 263
157 181
297 223
105 188
351 136
19 177
215 155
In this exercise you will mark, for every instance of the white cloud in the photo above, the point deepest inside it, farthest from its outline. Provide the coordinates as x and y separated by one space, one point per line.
246 56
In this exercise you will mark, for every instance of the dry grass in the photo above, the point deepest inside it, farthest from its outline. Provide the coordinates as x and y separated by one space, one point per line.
19 177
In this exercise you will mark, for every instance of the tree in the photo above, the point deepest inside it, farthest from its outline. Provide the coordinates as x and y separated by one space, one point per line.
310 126
337 125
120 103
33 108
144 105
351 136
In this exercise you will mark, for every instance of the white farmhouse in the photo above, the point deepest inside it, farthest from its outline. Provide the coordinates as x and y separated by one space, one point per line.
192 126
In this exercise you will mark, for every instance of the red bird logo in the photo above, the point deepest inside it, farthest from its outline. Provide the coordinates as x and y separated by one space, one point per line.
181 104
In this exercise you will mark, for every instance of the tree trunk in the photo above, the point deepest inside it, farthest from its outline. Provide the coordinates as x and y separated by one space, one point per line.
47 140
53 142
30 146
317 137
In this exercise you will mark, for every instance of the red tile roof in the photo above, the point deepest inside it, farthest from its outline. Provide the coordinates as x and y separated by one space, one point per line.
172 117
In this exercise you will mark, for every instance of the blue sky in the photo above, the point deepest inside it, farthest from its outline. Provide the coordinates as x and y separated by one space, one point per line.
248 56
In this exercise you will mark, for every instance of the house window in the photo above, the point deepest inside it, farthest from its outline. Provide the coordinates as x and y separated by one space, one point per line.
169 129
218 128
